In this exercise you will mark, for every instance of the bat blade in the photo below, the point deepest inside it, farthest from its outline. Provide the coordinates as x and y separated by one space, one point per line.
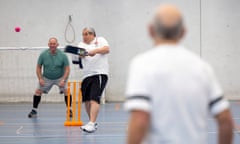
75 50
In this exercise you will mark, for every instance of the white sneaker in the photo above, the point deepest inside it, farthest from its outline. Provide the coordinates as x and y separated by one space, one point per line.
95 125
90 127
82 127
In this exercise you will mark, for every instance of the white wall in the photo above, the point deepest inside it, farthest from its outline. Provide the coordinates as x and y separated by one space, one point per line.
212 32
220 42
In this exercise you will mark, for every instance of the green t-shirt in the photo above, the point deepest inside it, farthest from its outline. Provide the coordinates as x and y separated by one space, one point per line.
53 64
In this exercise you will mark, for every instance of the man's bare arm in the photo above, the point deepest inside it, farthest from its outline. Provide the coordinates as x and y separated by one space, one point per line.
39 72
102 50
138 126
66 73
225 127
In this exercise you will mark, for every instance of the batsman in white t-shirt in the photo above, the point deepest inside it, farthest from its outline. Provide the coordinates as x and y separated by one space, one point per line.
170 91
95 74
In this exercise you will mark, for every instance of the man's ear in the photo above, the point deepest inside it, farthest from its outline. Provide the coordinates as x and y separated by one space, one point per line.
151 31
183 32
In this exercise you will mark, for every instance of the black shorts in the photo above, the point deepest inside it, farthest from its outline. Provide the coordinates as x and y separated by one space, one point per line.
93 86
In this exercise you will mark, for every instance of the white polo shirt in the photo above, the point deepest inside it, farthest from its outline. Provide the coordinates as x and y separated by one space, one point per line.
97 64
178 89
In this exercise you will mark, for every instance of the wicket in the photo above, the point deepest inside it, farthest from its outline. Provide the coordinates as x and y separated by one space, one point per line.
75 91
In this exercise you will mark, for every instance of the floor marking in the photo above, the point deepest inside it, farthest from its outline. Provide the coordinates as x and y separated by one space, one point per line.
1 123
63 136
18 131
235 131
235 118
237 128
117 107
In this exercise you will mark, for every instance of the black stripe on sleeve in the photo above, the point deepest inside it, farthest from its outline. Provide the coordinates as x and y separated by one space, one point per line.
139 97
215 101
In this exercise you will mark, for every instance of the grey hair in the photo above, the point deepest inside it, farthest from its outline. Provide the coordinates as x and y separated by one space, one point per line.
90 30
172 32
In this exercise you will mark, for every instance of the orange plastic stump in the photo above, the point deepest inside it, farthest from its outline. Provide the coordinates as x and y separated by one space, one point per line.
76 93
73 123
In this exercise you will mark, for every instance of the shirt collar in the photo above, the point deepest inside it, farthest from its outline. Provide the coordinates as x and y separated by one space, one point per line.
94 41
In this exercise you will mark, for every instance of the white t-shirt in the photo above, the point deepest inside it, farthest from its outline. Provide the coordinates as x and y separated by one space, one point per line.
178 89
97 64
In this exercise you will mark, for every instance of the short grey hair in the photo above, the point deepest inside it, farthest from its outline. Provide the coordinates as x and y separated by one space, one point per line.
168 32
90 30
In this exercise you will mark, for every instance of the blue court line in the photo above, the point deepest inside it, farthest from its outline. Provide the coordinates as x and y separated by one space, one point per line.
63 136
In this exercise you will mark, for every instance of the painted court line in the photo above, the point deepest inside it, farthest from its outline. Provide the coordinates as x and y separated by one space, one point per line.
54 136
235 118
214 132
18 131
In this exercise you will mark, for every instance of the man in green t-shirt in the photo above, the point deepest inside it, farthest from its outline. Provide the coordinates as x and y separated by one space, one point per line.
55 71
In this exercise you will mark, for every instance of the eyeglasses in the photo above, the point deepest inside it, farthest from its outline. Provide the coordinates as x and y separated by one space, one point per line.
85 34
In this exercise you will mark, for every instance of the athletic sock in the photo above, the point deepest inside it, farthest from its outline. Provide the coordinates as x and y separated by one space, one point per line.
66 100
36 101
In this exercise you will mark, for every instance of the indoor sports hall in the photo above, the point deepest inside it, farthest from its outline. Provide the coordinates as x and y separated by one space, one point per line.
212 32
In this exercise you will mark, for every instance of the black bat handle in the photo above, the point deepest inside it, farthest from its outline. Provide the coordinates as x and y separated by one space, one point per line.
80 63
